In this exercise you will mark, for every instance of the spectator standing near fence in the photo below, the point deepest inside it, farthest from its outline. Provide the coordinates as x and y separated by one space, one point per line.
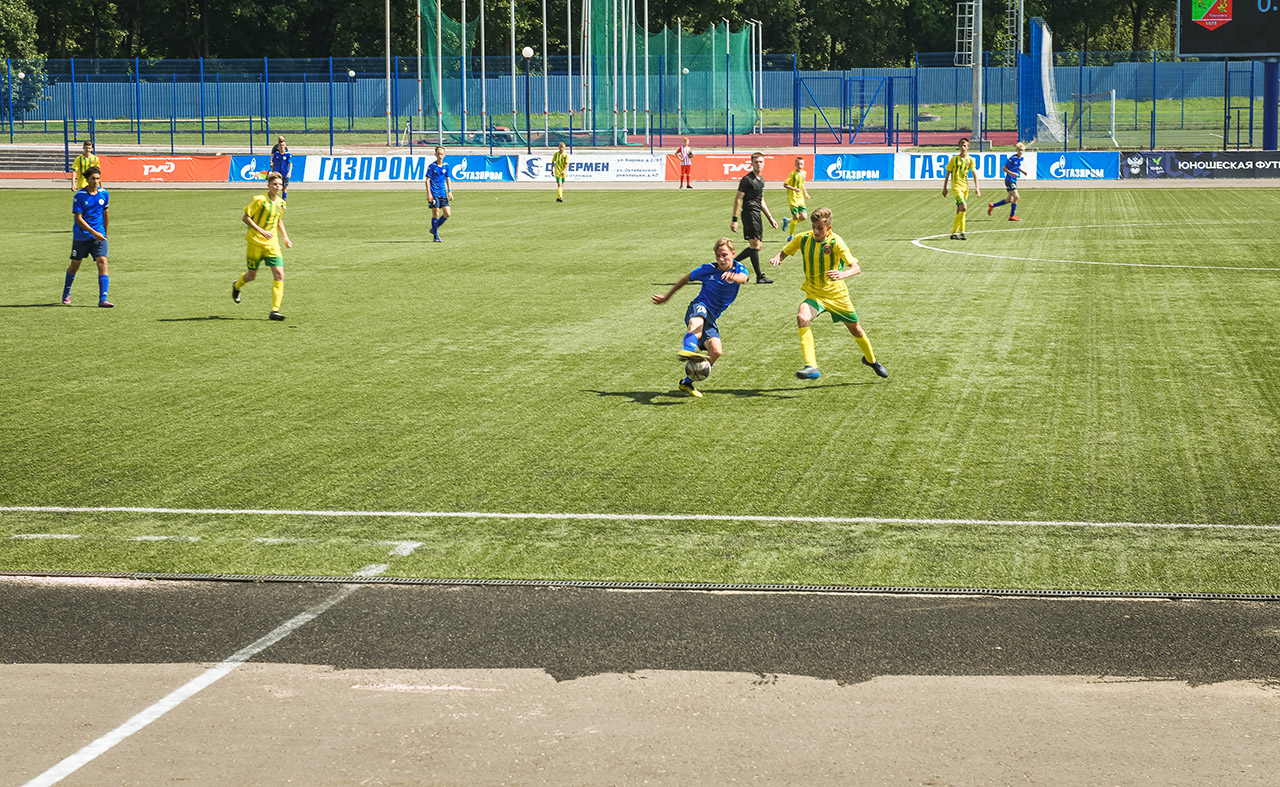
684 154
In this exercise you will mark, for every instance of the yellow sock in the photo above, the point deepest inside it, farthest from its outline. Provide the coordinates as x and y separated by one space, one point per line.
962 214
240 282
277 295
865 344
560 191
806 347
955 224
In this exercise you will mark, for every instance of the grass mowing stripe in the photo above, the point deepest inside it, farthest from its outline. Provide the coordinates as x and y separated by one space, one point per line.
852 520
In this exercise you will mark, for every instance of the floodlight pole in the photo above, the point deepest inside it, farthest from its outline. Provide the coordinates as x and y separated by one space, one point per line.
977 73
390 139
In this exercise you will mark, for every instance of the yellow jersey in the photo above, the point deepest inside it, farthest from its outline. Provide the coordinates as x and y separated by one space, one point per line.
796 181
819 257
266 214
559 164
958 169
82 163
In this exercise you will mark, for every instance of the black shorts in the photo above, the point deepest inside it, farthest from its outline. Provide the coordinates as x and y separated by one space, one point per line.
752 226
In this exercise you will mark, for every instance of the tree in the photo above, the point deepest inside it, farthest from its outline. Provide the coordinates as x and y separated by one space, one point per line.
17 29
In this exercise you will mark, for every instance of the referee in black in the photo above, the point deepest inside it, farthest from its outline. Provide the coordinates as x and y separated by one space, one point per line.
750 200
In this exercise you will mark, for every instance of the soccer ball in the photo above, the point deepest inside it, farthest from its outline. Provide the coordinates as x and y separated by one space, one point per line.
684 71
697 369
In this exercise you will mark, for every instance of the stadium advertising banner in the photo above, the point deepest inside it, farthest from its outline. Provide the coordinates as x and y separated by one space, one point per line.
254 169
1077 166
164 169
1215 164
598 167
389 169
852 166
731 167
933 166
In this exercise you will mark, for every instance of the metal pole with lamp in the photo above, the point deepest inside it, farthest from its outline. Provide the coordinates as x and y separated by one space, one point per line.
528 143
351 110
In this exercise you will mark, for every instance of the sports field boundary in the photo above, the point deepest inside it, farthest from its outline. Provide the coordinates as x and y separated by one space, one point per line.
606 517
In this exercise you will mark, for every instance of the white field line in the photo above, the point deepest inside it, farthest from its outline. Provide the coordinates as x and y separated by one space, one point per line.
779 520
175 698
920 243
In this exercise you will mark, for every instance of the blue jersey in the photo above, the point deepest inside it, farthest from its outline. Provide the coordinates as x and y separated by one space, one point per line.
437 176
1014 165
716 293
93 207
280 161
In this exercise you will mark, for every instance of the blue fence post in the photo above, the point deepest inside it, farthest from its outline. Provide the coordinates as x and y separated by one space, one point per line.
251 135
1270 102
66 147
202 101
662 116
8 83
1153 99
304 102
173 110
74 129
137 97
266 101
173 122
331 106
395 100
571 124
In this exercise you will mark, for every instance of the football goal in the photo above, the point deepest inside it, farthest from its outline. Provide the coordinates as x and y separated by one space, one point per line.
1095 117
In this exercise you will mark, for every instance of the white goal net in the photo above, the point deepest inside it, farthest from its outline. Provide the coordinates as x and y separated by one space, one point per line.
1095 117
1048 125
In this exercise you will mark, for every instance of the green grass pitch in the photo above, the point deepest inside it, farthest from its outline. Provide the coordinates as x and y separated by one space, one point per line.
520 368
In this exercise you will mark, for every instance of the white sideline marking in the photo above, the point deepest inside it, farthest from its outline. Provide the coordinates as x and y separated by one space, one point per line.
920 243
402 548
164 538
373 570
265 540
175 698
821 520
44 535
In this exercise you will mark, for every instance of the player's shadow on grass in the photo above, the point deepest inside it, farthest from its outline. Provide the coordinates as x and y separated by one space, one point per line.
201 319
675 395
37 305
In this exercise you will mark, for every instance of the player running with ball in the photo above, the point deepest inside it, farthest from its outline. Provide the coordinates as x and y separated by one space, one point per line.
720 282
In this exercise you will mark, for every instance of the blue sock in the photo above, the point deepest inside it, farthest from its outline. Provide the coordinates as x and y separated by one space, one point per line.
1013 210
691 342
442 220
66 288
1001 202
102 287
435 225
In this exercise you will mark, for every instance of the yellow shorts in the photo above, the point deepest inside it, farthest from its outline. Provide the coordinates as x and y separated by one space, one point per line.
840 309
256 256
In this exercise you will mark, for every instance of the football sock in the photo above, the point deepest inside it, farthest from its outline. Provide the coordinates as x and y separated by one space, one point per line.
806 347
66 288
955 223
750 254
1001 202
277 295
240 282
435 225
102 287
559 191
1013 209
962 215
691 342
441 222
865 344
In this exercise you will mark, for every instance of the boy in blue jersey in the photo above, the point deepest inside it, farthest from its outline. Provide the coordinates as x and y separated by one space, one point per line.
439 193
89 234
720 282
282 162
1012 171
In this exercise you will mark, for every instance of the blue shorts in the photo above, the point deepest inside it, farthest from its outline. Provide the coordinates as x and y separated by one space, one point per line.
709 328
1010 184
88 248
440 201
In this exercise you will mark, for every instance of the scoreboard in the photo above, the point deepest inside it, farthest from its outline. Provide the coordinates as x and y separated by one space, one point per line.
1228 28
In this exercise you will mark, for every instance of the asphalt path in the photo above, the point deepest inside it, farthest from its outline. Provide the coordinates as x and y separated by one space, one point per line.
392 684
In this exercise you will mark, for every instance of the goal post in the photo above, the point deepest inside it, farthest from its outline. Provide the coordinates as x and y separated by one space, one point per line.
1095 117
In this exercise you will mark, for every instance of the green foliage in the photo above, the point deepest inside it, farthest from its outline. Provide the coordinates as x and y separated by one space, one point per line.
520 367
17 29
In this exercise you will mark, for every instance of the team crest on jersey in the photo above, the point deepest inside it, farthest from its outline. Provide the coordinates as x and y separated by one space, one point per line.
826 248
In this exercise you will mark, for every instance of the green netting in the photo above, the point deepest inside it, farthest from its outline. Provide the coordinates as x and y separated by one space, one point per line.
714 94
442 77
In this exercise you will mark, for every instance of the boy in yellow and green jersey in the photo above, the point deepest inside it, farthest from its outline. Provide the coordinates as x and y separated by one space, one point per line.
82 163
559 166
797 195
264 217
827 263
959 168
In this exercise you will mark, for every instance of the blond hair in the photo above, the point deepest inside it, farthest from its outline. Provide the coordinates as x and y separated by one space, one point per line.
275 176
715 247
821 216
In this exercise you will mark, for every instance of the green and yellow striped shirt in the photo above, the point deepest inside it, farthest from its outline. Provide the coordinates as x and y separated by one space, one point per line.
266 214
819 257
